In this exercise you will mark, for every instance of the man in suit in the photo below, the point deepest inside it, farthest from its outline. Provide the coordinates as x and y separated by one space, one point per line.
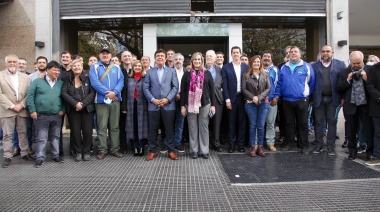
326 98
13 89
232 75
160 88
351 84
216 73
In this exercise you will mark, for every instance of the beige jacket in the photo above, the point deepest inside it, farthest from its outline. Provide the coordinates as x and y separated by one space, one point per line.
8 94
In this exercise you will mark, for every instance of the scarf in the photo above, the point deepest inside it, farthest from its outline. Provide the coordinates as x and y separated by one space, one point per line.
195 90
137 78
358 92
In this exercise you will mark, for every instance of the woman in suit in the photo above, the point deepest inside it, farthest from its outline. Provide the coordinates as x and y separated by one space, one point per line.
256 88
197 102
79 97
135 105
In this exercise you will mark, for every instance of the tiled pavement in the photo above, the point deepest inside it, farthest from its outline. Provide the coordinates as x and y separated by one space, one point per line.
133 184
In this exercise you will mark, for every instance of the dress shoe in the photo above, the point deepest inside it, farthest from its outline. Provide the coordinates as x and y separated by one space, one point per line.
141 151
271 148
194 155
7 162
38 164
151 155
86 157
317 150
117 154
57 160
16 152
231 149
252 151
305 151
260 151
28 157
172 156
31 151
352 156
101 155
205 156
78 157
241 149
136 152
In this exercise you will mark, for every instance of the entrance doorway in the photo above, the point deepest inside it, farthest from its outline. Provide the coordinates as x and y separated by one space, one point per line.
188 45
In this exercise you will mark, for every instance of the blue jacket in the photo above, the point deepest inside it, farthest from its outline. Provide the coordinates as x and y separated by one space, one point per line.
114 81
336 67
297 85
229 83
273 75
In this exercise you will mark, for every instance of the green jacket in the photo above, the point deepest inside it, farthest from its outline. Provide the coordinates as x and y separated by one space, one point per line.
43 99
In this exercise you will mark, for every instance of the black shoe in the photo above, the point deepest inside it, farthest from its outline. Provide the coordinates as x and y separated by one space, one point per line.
305 151
7 162
216 148
136 152
241 149
28 157
231 149
317 150
331 151
205 156
345 144
38 164
141 151
352 156
180 148
314 142
194 155
57 160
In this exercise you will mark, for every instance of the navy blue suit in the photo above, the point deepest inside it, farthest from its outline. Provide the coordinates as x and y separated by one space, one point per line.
237 116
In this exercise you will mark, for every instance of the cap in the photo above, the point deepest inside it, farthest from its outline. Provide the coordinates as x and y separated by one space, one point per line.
104 46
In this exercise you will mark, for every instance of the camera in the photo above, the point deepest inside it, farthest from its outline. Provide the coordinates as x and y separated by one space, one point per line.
357 74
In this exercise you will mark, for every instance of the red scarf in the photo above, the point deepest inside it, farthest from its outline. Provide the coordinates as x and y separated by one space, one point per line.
137 78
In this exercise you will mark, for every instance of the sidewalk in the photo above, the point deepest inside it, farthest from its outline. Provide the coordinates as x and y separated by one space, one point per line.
133 184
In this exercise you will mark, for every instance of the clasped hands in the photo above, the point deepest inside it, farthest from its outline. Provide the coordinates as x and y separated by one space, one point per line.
161 102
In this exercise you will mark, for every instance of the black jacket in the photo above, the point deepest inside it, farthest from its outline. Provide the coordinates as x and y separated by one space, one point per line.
208 93
373 88
68 93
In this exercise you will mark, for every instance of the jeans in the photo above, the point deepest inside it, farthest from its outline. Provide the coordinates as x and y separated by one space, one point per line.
48 130
179 119
270 133
326 111
257 114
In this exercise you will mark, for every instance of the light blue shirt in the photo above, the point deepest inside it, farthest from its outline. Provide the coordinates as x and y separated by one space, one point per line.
293 65
213 71
160 73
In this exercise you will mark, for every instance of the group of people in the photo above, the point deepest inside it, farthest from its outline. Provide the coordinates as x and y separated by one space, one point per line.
128 100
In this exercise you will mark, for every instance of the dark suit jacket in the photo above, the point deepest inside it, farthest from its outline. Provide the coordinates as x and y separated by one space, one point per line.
229 83
336 67
218 84
345 89
373 88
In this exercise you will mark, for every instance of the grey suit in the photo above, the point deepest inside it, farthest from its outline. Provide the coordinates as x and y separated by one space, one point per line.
153 89
216 120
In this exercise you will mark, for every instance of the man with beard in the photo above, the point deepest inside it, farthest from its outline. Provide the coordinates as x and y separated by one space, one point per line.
179 119
351 85
326 98
13 88
271 118
41 65
65 70
108 81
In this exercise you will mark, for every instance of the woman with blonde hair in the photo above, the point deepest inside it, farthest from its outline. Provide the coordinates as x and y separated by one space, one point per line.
198 103
79 98
256 88
135 105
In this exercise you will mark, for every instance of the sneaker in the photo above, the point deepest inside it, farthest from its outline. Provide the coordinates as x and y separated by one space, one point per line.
57 160
271 148
7 162
78 157
164 151
86 157
373 162
311 132
38 164
180 148
360 150
317 150
331 152
345 143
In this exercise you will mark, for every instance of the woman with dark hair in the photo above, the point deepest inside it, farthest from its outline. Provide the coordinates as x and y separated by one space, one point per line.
256 88
198 103
135 105
79 97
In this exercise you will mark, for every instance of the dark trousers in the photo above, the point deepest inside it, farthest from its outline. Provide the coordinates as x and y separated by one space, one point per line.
154 118
81 125
325 111
215 124
296 113
281 118
237 119
123 133
376 141
352 127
